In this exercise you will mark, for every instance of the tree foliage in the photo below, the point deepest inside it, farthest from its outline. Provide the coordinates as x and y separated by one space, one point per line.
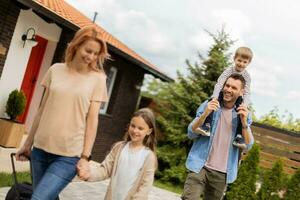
272 182
293 187
244 187
284 121
177 102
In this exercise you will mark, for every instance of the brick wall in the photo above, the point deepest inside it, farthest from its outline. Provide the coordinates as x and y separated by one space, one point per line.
123 103
65 37
9 13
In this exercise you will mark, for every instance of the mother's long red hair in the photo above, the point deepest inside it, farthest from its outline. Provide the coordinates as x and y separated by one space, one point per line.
82 35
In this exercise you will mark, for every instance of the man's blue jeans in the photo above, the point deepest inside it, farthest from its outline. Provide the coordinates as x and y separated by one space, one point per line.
51 173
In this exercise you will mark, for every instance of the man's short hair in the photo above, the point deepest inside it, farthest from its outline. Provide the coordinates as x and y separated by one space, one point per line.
244 52
236 76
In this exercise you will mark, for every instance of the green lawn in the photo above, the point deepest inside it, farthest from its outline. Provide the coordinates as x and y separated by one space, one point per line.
6 179
168 186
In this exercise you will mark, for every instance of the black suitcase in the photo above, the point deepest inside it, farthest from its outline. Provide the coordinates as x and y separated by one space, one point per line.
19 191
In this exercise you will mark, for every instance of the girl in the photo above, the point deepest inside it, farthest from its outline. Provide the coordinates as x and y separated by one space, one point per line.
131 164
64 129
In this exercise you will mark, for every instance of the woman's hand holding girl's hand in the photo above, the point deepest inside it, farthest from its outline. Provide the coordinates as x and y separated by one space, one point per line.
83 169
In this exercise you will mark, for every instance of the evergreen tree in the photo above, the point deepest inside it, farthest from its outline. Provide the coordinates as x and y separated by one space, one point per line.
293 187
244 187
272 182
177 102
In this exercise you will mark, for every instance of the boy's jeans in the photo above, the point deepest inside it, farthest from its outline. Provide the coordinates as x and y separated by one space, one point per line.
50 173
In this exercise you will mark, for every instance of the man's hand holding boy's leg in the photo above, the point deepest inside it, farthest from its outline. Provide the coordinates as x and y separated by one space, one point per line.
204 129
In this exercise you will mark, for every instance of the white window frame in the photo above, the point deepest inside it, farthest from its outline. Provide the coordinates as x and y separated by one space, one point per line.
110 85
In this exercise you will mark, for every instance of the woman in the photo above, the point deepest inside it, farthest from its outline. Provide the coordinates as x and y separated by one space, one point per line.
64 129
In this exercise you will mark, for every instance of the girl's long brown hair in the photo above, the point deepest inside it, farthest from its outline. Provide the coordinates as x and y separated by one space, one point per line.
148 116
82 35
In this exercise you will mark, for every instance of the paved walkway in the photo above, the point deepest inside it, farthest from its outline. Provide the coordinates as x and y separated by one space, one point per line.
77 189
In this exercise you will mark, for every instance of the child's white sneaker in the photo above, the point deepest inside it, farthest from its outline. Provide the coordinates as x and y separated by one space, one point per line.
202 132
242 146
239 143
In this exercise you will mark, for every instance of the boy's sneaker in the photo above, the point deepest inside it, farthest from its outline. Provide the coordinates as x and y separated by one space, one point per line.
202 132
238 142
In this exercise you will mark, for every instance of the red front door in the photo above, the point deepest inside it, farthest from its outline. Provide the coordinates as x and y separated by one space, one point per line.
32 72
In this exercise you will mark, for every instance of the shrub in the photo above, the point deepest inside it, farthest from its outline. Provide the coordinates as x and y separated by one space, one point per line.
16 103
244 186
293 187
273 181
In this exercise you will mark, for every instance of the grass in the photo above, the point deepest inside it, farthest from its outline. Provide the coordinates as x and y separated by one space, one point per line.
168 186
6 179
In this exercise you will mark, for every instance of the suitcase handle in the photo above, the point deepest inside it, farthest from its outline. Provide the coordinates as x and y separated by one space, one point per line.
13 167
14 173
12 155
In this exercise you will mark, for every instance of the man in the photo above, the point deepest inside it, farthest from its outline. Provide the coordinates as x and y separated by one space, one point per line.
213 161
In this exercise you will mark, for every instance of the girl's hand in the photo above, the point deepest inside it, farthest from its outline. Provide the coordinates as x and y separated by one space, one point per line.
23 153
83 169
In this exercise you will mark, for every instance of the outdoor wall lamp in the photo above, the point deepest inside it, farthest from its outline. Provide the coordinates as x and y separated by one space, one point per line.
30 37
138 86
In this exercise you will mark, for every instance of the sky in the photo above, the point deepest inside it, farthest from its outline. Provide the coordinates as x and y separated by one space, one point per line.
167 32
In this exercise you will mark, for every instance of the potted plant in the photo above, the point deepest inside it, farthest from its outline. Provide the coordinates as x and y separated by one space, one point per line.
11 131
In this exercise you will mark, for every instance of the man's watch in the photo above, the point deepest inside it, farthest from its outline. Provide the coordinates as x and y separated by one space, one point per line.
85 157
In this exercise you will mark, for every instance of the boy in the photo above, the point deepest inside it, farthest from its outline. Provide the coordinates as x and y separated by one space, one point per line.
242 59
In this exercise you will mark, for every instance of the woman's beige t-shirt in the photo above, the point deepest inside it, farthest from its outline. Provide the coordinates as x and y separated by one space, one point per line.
63 122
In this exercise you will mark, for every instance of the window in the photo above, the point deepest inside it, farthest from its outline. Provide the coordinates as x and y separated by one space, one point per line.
111 76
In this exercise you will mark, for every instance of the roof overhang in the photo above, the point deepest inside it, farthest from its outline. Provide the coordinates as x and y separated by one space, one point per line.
53 17
150 70
40 10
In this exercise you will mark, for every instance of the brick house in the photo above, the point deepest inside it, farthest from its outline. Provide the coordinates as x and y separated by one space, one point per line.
23 62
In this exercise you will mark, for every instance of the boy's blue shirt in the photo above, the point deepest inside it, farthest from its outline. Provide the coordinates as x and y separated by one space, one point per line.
199 152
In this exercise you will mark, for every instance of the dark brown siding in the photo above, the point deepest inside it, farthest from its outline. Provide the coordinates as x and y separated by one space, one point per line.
122 104
65 37
277 144
9 13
